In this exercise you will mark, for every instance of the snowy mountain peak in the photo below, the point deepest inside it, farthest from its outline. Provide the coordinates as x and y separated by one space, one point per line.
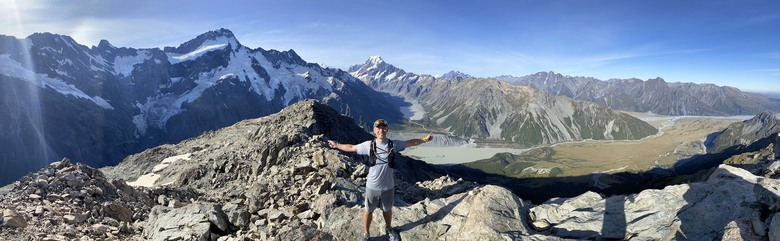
209 40
454 75
375 68
204 43
375 60
219 33
292 55
104 44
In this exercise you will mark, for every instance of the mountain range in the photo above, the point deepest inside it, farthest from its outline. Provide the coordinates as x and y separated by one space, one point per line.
102 103
653 95
489 109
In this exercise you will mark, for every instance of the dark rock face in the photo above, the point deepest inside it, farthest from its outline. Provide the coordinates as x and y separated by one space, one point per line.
100 104
653 95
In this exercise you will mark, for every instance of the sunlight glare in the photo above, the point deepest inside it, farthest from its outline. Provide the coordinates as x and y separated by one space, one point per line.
41 153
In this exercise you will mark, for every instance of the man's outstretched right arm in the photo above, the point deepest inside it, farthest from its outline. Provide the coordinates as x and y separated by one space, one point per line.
343 147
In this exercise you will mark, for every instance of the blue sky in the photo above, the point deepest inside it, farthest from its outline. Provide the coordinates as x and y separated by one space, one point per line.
735 43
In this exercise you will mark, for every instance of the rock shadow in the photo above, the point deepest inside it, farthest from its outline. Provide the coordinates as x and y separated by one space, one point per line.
711 220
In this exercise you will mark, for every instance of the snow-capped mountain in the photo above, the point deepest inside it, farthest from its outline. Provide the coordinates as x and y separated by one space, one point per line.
653 95
490 109
381 76
103 103
454 75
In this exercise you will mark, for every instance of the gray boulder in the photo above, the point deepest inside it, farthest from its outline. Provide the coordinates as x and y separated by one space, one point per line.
485 213
11 219
698 211
118 212
191 222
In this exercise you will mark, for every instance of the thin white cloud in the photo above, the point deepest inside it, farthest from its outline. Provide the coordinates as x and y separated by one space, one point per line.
773 55
772 72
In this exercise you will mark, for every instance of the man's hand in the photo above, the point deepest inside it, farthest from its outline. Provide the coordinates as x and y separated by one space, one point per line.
332 144
428 138
343 147
415 142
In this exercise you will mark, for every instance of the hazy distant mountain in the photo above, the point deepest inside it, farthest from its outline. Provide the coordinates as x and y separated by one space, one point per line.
654 95
772 95
495 110
99 104
454 75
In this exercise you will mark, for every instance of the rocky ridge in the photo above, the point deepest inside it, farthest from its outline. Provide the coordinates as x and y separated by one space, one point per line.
742 134
273 179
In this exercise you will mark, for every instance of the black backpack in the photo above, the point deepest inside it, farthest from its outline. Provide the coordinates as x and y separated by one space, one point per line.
390 156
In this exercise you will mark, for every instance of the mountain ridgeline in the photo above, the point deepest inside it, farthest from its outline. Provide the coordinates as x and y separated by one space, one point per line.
100 104
763 126
489 109
654 95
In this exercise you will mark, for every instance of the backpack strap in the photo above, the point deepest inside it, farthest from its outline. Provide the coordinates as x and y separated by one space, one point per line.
372 154
390 154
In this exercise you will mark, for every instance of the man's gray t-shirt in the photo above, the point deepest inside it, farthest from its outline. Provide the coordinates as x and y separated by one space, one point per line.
380 176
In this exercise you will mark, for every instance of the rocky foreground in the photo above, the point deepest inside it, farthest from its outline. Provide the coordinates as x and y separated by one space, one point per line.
273 178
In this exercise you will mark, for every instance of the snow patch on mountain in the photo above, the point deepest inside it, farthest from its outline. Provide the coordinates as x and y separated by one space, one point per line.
295 79
50 49
230 75
99 60
176 58
140 124
148 179
11 68
205 47
124 65
67 42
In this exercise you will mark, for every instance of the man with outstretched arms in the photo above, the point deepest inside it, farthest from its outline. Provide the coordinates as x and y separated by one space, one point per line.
380 185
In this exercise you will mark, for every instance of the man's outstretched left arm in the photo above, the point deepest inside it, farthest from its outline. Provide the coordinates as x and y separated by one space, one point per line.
414 142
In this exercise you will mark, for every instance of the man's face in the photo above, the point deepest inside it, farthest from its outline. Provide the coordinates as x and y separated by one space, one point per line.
380 131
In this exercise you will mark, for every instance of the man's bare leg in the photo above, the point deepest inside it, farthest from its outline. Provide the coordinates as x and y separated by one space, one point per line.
367 221
388 219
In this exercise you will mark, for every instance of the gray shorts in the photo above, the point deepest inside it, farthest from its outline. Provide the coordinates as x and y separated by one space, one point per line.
375 198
